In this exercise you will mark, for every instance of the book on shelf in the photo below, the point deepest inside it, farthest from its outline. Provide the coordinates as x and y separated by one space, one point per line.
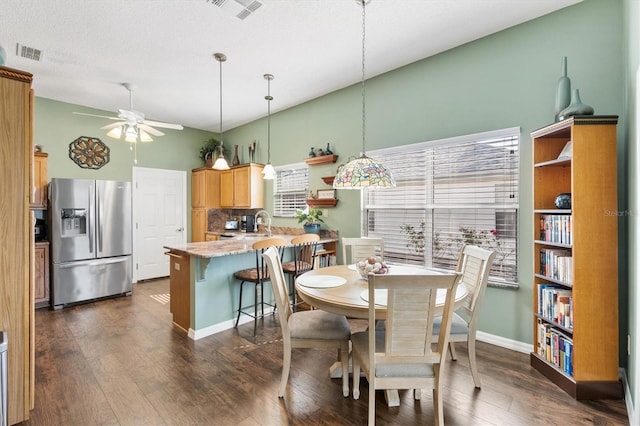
555 347
555 304
556 264
556 228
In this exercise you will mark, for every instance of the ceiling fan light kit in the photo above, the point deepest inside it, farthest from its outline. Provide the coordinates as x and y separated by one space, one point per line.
132 125
221 163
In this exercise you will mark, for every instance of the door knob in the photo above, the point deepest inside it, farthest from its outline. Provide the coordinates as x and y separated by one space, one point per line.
180 229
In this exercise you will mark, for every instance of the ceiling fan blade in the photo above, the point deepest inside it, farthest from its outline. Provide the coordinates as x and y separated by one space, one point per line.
112 125
150 129
163 125
99 116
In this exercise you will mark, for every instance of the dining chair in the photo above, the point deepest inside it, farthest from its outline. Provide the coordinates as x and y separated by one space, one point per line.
356 249
304 252
401 356
306 329
257 275
474 265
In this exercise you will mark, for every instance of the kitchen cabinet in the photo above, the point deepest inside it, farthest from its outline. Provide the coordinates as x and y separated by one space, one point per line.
179 287
198 225
41 275
242 187
205 194
39 183
16 240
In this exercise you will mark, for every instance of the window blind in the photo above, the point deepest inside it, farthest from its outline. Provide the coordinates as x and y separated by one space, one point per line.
290 189
456 191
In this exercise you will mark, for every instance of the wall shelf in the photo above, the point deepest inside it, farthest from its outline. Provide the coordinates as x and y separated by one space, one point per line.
323 159
328 179
322 202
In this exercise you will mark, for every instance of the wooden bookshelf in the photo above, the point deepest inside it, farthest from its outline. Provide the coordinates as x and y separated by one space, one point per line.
591 372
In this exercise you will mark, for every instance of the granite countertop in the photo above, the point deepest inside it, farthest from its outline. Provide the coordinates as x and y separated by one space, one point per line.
226 247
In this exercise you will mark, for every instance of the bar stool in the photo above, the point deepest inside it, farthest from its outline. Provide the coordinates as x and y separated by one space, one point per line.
258 276
304 252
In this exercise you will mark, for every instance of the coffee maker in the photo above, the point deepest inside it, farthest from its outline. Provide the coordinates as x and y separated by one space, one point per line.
247 223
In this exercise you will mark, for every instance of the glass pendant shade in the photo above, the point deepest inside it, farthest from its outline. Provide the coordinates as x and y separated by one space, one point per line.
115 133
268 173
145 137
363 172
221 163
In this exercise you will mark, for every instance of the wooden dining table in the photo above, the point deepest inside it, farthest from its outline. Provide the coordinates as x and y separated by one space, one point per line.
341 290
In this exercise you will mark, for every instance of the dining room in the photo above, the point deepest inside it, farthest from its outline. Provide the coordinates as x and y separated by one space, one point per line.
120 361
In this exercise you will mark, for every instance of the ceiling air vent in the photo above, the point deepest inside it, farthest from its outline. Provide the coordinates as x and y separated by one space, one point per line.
241 9
28 52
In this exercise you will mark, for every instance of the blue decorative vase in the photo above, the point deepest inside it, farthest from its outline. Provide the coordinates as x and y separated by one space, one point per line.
576 107
563 201
563 91
311 228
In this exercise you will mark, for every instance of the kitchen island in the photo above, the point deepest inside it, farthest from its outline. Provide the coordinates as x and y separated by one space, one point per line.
203 291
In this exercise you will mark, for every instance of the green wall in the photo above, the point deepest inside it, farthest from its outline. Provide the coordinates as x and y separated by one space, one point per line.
503 80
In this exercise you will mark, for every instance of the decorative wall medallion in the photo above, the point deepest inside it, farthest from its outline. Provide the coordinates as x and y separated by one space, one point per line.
88 152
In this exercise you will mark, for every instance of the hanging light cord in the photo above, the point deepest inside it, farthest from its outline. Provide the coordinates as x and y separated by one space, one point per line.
221 141
269 98
363 74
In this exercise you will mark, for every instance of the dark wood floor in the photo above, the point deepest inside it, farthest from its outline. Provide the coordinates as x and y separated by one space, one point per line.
119 362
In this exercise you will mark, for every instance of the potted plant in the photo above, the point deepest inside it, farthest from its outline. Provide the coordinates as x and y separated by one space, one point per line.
210 151
312 217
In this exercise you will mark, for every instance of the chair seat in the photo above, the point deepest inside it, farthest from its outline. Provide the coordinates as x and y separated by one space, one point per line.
412 370
252 274
458 325
319 325
290 267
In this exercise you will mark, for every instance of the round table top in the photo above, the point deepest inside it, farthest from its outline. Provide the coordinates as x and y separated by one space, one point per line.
340 289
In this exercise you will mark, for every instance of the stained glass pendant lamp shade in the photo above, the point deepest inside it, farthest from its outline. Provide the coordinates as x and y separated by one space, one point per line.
268 172
364 171
221 163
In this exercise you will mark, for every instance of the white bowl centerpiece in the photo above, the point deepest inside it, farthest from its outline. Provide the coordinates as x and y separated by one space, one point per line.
371 264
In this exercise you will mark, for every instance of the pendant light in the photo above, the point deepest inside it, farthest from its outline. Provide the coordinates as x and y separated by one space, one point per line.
269 173
221 163
363 171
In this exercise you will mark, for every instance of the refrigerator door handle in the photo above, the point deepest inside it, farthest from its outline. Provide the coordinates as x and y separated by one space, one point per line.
99 224
90 209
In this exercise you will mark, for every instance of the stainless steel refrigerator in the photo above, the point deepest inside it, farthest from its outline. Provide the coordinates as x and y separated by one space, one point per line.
90 223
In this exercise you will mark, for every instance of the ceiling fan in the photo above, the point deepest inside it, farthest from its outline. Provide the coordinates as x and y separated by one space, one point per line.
132 124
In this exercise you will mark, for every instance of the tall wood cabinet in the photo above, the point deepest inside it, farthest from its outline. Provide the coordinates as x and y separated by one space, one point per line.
16 238
575 279
205 194
242 187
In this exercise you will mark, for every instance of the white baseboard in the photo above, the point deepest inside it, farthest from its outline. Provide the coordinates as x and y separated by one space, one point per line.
633 416
503 342
222 326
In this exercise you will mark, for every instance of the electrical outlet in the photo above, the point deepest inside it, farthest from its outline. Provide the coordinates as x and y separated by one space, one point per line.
325 212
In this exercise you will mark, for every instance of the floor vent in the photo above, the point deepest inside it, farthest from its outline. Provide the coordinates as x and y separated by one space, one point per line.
27 52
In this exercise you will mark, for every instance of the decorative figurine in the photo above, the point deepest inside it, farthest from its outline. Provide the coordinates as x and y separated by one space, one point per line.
312 153
328 150
319 152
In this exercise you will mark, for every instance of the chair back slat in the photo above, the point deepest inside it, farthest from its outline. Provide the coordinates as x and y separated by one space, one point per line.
356 249
273 262
475 264
411 309
260 247
304 252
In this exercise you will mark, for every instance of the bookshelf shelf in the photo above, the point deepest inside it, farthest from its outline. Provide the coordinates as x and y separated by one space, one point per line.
575 283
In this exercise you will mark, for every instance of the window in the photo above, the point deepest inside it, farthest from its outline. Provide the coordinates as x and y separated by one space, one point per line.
290 189
450 192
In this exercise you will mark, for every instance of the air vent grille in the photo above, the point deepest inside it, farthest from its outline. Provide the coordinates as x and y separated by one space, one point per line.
28 52
241 9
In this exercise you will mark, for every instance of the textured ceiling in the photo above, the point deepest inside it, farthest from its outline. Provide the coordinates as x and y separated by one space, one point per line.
165 48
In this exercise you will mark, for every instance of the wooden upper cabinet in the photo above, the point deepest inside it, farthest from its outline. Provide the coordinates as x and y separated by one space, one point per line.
205 188
242 187
39 184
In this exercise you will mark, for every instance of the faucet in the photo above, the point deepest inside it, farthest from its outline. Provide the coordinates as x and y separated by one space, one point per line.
268 218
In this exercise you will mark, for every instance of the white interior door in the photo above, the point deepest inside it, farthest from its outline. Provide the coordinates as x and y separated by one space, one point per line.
159 219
